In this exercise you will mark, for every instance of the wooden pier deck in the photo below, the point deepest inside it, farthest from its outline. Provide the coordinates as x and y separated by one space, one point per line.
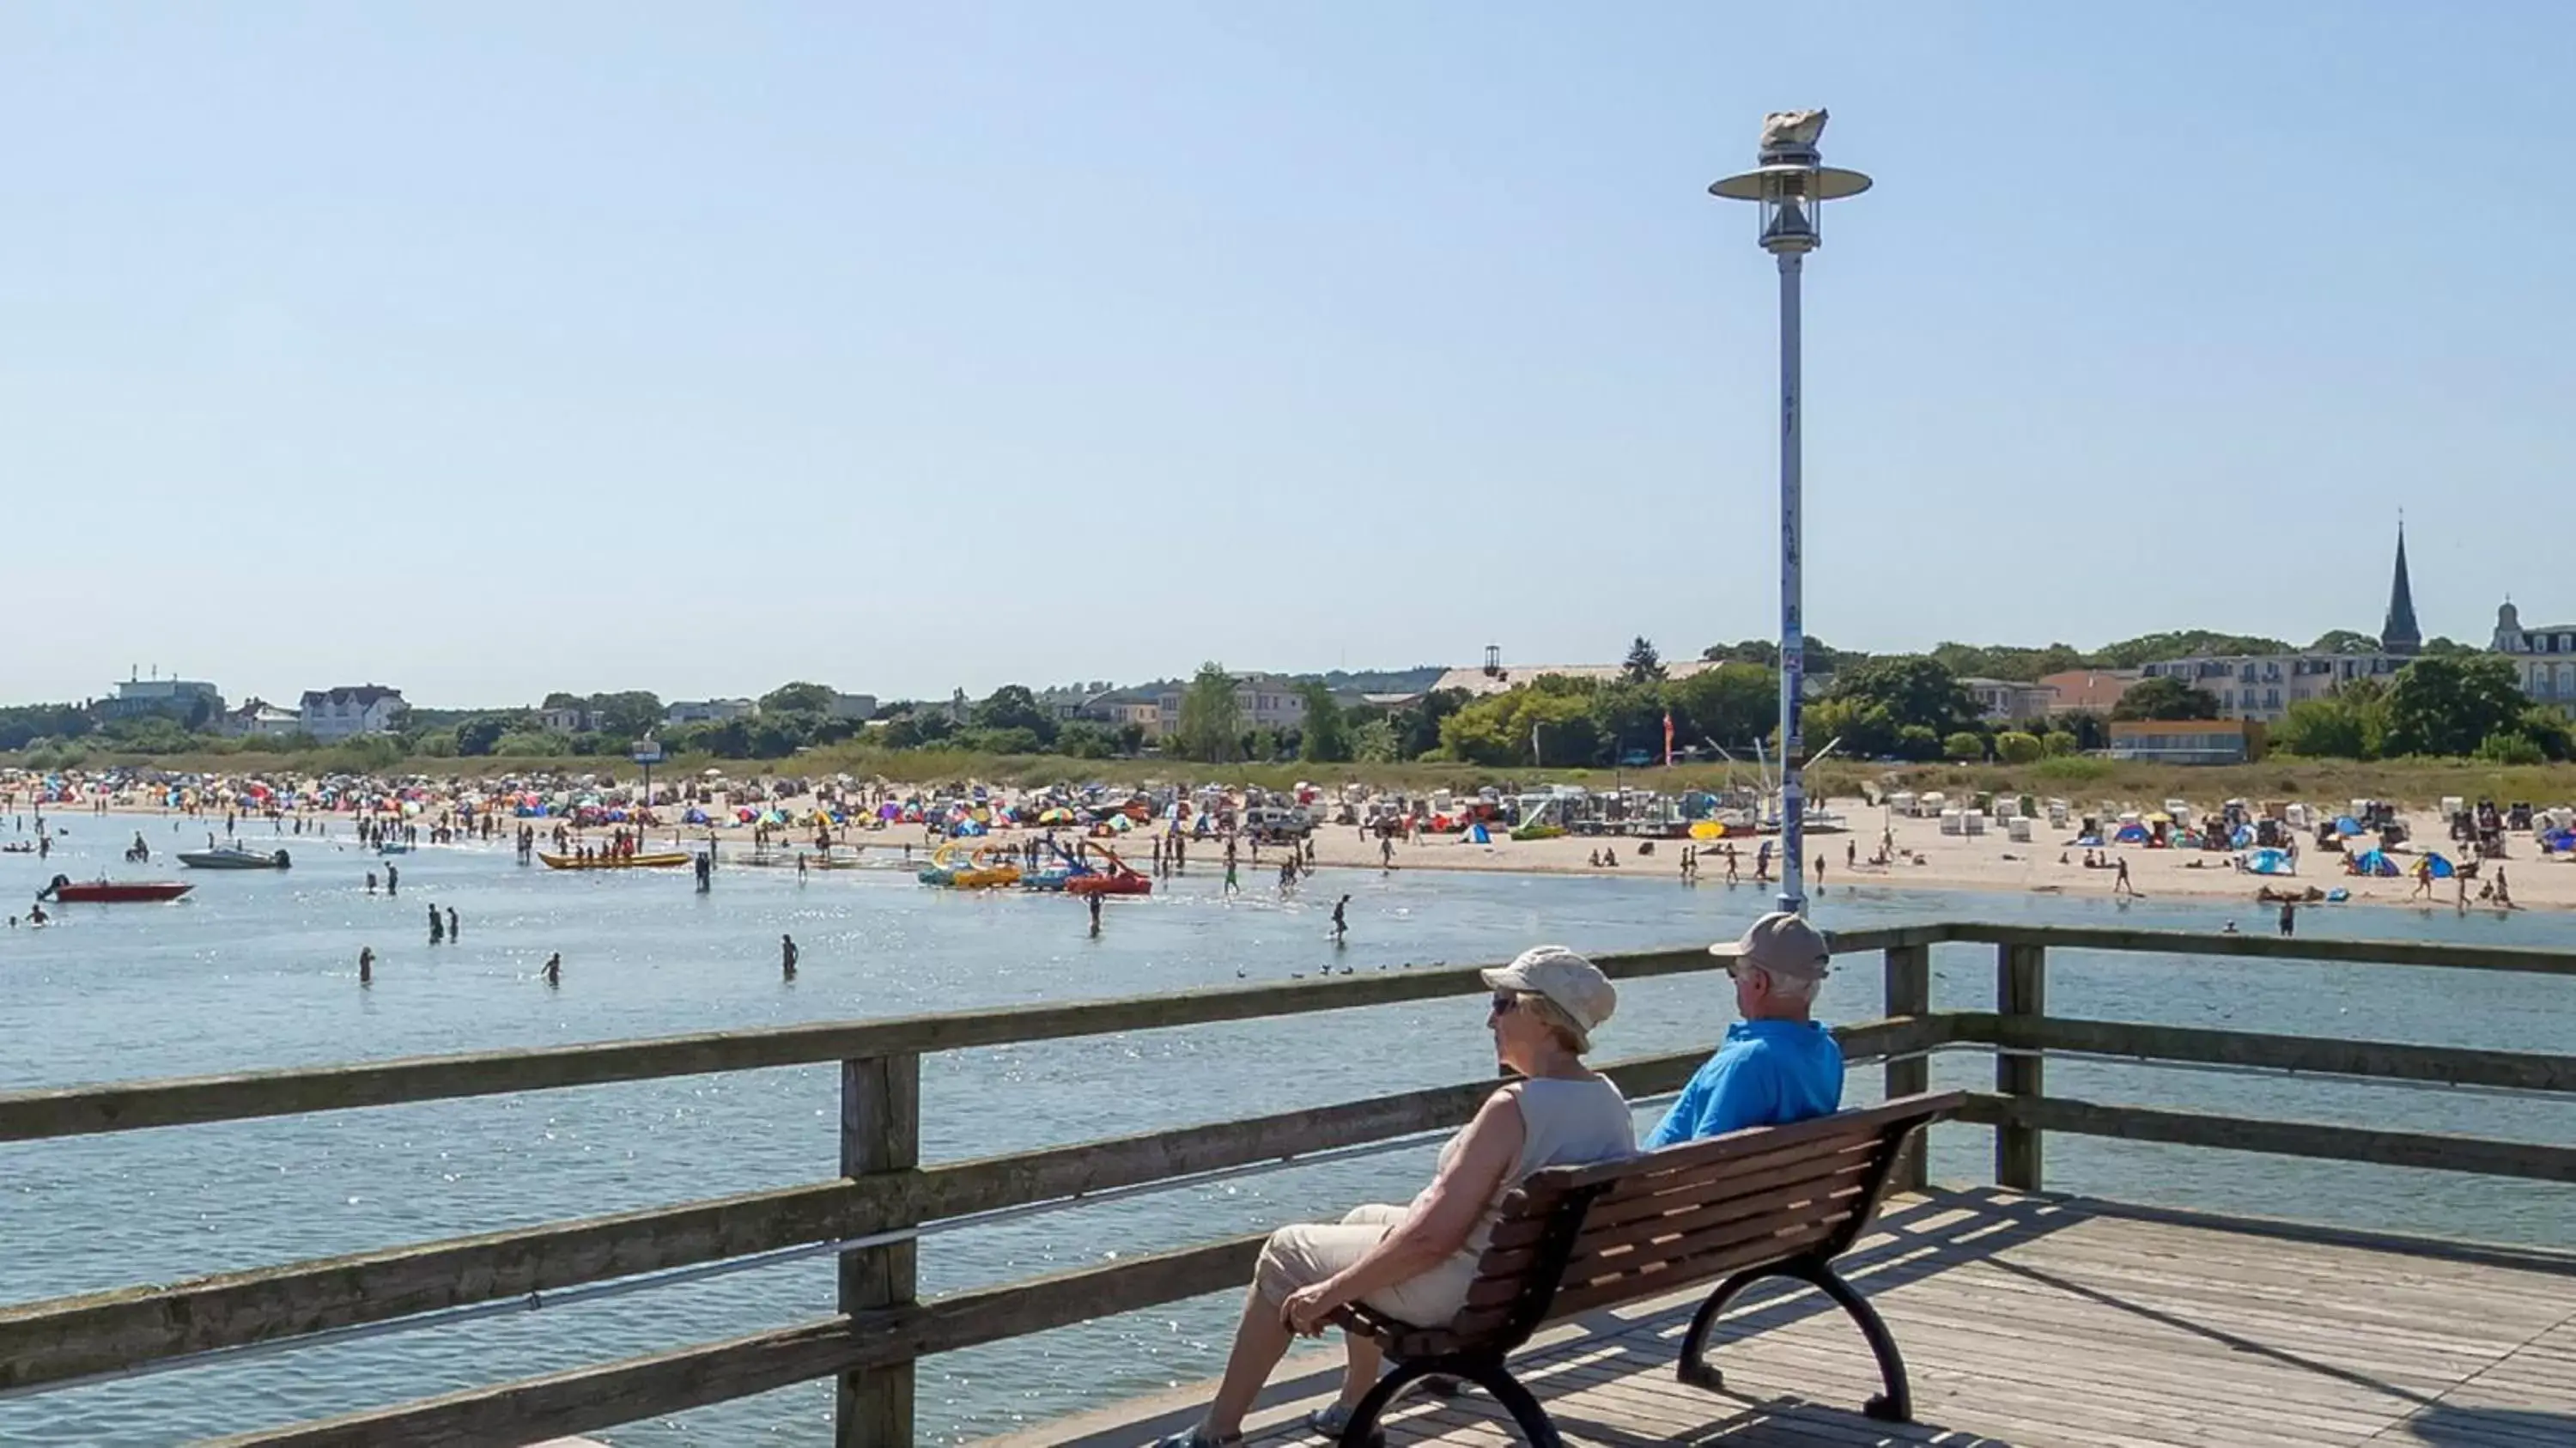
2041 1322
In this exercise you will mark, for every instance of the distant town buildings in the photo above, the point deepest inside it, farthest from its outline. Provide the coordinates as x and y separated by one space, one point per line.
181 699
258 718
2088 691
2262 687
573 720
2545 656
1267 701
2187 741
2003 701
1493 678
1118 707
853 706
330 714
707 711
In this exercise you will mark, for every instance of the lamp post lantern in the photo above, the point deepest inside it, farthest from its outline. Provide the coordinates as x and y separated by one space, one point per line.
1791 185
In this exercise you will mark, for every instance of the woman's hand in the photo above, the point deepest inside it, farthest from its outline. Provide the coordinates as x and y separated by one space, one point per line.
1307 1308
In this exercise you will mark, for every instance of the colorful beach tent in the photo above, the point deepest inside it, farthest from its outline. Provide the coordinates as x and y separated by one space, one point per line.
2376 862
2268 862
2440 867
1477 834
2347 825
2131 833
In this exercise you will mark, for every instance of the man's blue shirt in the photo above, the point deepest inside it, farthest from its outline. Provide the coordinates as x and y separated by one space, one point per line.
1766 1074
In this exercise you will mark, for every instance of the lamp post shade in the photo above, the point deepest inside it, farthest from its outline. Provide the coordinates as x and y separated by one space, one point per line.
1791 183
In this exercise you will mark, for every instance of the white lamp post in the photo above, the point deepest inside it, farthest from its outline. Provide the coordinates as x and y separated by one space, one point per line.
1791 186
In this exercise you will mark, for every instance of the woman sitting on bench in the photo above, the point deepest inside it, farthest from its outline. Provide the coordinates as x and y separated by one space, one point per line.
1415 1262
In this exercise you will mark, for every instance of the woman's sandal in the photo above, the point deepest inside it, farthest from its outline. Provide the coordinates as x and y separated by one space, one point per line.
1331 1421
1197 1437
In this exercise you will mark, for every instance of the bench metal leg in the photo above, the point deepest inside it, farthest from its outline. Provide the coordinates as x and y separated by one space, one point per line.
1895 1405
1361 1431
1536 1427
1694 1369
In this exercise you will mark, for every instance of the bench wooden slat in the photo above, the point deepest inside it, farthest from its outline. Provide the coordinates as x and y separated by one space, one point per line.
1676 1235
1522 1220
1753 1140
1682 1213
1683 1273
1638 1259
1609 1215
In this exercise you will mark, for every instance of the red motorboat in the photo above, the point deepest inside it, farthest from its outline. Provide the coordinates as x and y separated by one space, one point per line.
111 892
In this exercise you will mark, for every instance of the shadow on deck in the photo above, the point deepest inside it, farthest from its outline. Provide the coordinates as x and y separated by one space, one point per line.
2037 1322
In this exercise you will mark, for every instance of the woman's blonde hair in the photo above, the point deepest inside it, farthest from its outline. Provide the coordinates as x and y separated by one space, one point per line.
1559 1024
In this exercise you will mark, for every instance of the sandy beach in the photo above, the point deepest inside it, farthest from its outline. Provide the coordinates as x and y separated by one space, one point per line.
1926 859
1922 859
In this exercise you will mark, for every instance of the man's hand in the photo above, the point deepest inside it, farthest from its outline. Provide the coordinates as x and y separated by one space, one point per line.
1307 1308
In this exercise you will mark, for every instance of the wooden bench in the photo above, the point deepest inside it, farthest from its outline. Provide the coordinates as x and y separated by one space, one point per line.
1772 1201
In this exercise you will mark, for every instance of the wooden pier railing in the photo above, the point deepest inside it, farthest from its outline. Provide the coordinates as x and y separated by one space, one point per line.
883 1189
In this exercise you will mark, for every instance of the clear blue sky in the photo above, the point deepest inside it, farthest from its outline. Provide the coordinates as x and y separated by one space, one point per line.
484 349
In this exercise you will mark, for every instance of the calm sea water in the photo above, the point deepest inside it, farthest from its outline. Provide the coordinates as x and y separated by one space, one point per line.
258 970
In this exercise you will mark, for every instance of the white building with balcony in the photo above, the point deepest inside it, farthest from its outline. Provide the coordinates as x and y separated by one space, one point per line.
352 709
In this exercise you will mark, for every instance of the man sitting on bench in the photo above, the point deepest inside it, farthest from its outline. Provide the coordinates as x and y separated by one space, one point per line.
1777 1064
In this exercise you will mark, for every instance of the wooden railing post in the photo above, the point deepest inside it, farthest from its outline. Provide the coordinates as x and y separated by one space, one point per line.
880 1132
2021 989
1909 993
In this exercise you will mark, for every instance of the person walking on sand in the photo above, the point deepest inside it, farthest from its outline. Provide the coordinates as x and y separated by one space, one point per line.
1734 871
787 953
554 971
366 965
2120 882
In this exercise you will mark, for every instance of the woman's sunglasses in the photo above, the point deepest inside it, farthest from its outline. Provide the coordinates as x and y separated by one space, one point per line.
1504 1002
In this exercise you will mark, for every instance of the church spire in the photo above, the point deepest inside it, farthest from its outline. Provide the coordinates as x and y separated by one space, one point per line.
2399 635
